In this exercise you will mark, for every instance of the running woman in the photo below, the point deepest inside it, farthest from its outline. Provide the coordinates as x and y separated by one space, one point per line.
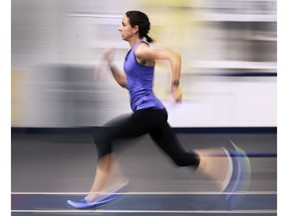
149 115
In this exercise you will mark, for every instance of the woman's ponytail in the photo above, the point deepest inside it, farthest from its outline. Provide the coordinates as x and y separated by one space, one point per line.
149 39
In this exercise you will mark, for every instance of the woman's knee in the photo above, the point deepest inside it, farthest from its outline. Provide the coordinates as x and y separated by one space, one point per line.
103 150
103 142
187 159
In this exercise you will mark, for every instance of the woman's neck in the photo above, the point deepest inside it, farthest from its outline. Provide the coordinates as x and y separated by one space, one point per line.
134 40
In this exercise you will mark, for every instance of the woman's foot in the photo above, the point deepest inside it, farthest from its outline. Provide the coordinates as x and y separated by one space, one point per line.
217 164
94 200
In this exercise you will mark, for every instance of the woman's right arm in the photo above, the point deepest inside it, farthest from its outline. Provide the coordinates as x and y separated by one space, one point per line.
120 78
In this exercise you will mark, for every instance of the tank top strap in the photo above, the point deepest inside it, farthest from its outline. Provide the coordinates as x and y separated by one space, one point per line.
138 43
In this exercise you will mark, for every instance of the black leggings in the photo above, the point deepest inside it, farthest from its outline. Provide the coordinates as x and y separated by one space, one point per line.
151 121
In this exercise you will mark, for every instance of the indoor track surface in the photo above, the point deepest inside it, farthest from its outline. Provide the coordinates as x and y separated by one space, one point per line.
49 168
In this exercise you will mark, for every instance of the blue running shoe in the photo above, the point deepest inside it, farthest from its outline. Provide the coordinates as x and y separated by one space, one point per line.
241 175
104 200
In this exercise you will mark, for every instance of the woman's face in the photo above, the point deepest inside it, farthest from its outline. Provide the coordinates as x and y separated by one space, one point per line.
126 30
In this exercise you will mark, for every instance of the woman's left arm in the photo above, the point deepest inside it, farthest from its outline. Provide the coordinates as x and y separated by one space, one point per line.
147 53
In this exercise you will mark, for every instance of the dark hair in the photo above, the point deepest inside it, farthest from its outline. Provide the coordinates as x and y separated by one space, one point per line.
141 19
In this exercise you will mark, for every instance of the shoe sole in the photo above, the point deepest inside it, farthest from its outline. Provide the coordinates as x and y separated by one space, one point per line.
230 170
104 201
241 175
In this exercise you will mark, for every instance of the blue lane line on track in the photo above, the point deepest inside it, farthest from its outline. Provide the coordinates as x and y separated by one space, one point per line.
255 155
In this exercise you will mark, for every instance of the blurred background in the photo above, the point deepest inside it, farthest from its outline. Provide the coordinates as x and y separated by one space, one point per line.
228 48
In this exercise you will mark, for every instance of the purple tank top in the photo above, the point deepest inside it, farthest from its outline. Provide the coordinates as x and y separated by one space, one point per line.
140 82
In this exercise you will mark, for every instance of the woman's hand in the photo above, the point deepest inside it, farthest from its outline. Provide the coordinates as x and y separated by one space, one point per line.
108 55
177 93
